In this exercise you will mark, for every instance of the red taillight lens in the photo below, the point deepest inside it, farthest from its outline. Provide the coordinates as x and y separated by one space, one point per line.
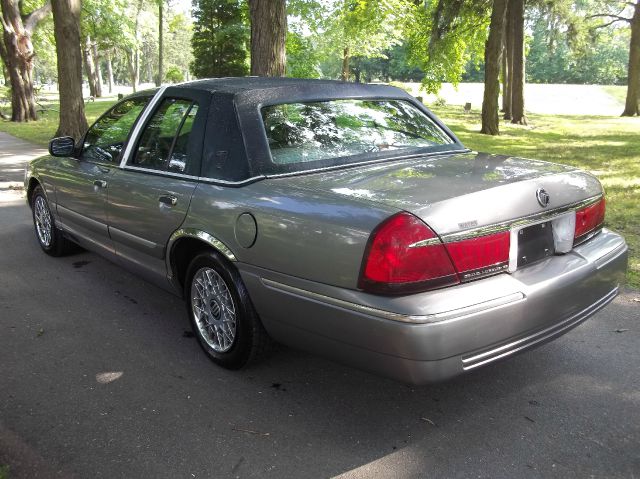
482 256
397 262
589 219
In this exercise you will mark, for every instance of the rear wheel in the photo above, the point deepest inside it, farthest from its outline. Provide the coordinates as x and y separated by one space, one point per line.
221 313
50 238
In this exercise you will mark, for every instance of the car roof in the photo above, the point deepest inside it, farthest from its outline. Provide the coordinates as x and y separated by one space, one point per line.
242 84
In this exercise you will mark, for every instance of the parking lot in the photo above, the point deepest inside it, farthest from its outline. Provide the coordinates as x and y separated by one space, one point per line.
100 377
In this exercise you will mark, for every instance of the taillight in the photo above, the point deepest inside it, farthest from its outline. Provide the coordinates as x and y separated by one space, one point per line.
482 256
588 220
403 256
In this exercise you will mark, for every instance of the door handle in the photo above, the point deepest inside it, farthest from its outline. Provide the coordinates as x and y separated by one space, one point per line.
168 200
100 183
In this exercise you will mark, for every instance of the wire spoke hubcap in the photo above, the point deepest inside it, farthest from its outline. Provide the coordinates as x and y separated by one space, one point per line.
42 217
213 309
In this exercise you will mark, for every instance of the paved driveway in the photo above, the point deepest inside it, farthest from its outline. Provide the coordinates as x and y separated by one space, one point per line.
99 377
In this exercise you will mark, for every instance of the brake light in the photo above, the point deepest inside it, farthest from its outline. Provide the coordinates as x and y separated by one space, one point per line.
589 219
482 256
403 256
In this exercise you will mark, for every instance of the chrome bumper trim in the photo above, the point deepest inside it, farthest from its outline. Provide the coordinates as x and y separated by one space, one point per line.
471 362
405 318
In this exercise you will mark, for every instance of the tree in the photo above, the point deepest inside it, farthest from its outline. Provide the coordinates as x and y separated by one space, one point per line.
632 102
516 74
443 35
492 56
363 28
219 39
160 76
18 55
66 18
268 37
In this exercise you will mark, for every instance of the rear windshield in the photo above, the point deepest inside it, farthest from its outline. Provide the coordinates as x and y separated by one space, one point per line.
304 134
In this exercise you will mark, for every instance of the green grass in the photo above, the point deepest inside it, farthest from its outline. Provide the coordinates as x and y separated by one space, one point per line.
618 92
41 131
609 147
4 472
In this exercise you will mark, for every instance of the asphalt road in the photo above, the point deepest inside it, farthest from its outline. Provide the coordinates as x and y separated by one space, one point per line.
100 378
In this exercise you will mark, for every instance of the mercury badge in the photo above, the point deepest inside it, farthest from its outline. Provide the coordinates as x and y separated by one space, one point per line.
543 197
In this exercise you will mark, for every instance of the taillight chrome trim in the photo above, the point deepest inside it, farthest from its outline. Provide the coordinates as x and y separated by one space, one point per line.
518 222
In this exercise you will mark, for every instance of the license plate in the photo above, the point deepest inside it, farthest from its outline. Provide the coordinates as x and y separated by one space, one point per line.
538 241
535 243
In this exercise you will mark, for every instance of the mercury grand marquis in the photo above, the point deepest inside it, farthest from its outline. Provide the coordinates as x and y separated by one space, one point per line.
343 219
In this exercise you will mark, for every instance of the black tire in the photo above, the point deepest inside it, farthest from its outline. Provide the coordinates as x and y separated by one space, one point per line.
250 342
58 245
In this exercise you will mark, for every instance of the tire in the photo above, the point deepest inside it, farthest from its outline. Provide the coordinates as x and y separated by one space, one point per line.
49 236
221 313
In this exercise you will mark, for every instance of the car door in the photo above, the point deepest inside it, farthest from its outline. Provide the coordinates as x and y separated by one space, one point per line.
148 197
81 183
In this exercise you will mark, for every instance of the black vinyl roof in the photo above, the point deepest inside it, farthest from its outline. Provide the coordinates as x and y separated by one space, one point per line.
242 84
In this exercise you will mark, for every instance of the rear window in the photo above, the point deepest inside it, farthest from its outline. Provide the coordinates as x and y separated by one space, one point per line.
318 132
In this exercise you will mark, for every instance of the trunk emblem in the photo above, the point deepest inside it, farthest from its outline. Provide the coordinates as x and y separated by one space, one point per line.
543 197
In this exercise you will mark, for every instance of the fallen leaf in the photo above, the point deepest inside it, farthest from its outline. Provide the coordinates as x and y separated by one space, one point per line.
621 330
40 332
429 421
251 432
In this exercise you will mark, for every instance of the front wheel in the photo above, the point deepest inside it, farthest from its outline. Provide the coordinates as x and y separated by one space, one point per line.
221 313
50 238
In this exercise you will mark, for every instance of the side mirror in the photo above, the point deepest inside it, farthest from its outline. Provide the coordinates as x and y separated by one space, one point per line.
63 146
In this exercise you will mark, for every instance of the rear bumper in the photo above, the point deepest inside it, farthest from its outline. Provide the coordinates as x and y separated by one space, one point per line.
436 335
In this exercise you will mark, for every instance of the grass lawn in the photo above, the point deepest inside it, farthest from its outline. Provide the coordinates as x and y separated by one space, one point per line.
41 131
609 147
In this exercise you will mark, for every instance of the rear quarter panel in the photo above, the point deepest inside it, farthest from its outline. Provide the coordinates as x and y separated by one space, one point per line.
308 234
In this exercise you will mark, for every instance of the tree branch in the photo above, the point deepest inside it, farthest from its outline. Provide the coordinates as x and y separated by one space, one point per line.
35 17
617 18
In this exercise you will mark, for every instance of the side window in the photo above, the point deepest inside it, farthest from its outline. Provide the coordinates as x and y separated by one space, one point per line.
104 140
164 141
178 159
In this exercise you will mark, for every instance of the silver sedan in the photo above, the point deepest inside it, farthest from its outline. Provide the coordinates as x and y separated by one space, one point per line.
343 219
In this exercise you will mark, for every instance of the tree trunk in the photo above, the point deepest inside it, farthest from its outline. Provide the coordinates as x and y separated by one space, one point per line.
18 50
517 83
268 35
133 67
508 81
632 104
109 72
3 58
96 63
89 67
66 22
160 45
133 55
344 75
492 53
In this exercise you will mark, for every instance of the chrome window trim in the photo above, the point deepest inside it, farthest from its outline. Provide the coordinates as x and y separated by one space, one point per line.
399 317
518 222
133 140
201 179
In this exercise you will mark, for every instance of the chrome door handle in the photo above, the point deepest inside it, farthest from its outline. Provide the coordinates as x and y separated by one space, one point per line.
168 200
100 183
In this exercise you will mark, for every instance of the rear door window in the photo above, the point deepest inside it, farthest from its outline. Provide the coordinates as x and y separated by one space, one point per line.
164 142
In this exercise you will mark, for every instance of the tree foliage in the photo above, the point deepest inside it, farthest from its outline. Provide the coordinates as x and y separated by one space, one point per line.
219 39
443 36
